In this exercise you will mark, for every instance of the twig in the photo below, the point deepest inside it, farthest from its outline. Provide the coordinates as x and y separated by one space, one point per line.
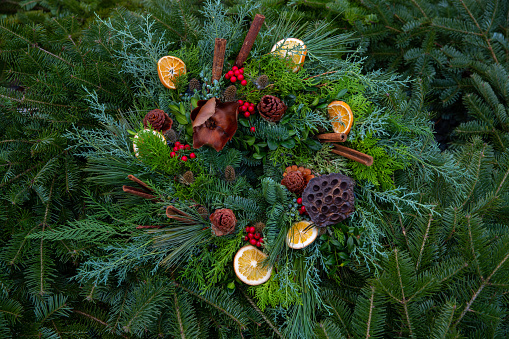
256 25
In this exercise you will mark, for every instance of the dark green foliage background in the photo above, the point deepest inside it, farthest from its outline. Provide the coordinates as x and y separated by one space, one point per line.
446 272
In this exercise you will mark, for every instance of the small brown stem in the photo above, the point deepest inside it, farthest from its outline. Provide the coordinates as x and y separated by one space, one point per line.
256 25
332 137
217 64
353 154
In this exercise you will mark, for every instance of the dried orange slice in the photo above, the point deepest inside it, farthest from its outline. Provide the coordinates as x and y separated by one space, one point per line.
301 234
291 48
141 133
341 116
168 67
247 266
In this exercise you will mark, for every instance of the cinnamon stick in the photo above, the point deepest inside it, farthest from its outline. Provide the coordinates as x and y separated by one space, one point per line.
148 226
332 137
256 25
138 192
175 213
353 155
217 64
139 182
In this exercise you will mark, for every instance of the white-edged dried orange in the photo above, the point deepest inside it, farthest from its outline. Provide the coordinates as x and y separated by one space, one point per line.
247 266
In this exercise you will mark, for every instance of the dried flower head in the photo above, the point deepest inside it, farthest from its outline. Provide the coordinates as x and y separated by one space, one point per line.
223 221
158 119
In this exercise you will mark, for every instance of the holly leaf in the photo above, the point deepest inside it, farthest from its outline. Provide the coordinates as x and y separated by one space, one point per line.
272 145
289 143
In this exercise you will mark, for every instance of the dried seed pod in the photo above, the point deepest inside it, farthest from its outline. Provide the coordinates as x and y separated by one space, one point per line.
271 108
158 119
262 81
187 178
194 84
306 172
230 93
223 221
229 173
171 135
259 226
294 181
329 199
203 211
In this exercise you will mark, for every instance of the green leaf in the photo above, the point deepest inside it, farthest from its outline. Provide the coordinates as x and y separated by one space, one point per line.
313 144
181 119
272 145
251 140
289 143
244 122
341 93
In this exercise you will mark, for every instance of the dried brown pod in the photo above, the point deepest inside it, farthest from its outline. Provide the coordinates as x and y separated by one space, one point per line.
214 123
306 172
187 178
194 84
158 119
229 173
223 221
202 211
259 226
271 108
329 199
229 93
294 181
171 135
262 81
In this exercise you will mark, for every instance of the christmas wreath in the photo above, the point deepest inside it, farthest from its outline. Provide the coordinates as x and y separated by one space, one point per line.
258 157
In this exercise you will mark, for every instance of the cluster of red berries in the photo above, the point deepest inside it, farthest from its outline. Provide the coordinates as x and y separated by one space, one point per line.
249 109
302 209
254 239
181 147
236 74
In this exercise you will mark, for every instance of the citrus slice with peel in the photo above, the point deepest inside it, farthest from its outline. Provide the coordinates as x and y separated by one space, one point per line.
169 67
291 48
341 116
247 266
301 234
136 139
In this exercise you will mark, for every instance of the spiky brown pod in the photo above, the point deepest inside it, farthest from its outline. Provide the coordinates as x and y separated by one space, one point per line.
229 173
223 221
171 135
158 119
259 226
294 181
229 93
203 211
262 81
194 84
271 108
187 178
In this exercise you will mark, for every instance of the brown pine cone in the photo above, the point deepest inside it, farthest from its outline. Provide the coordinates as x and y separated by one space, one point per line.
271 108
229 93
229 173
295 182
158 119
194 84
223 221
306 172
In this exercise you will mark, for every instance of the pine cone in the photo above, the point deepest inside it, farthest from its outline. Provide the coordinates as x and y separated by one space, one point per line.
262 81
229 173
203 211
229 93
171 135
223 221
194 84
271 108
159 120
187 178
306 172
294 181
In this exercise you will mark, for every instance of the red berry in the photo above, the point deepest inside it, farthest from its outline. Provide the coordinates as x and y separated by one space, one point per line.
252 229
233 79
241 108
252 242
258 244
227 76
299 201
184 158
303 208
240 102
261 240
177 143
251 108
236 73
181 146
240 77
176 148
247 114
247 229
192 155
241 71
230 73
250 235
257 236
173 154
253 129
243 82
235 68
246 238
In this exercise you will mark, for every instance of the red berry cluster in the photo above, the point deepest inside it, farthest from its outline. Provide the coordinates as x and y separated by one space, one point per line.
302 209
254 239
236 74
247 107
181 147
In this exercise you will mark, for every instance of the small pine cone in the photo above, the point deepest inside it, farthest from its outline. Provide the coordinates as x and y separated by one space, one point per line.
187 178
229 93
271 108
229 173
295 182
194 84
203 211
259 226
158 119
171 135
262 81
223 221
